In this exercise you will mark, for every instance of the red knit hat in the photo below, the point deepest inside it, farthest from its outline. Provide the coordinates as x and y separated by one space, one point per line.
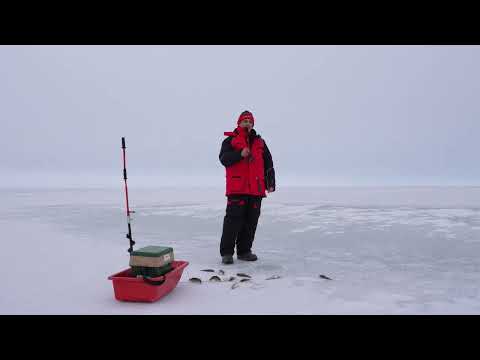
246 115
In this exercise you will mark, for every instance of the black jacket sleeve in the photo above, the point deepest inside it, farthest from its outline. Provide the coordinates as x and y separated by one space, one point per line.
228 156
269 170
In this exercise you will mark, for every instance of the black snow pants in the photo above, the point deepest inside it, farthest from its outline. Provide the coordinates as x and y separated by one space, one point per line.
240 224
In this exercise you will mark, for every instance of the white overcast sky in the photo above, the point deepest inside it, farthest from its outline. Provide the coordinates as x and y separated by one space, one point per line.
331 115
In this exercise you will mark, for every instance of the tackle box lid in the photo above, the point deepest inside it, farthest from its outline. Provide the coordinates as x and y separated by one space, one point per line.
152 251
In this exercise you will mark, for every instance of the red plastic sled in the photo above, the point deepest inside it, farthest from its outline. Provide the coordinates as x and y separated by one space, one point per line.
127 287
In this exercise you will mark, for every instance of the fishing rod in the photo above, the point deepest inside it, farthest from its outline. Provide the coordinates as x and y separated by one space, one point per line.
129 235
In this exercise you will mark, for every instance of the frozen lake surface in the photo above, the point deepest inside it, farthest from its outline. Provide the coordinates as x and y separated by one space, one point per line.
391 250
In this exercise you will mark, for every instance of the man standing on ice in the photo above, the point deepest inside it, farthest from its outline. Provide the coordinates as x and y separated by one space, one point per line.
249 172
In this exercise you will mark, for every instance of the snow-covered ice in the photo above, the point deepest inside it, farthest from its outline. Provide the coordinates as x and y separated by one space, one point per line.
397 250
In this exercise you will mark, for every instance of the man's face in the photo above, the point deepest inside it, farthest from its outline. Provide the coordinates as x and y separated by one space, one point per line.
246 123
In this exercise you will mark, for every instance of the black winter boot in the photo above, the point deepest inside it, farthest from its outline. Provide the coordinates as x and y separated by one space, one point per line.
247 257
227 259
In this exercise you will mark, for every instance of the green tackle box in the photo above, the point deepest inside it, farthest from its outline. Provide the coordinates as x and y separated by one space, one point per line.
151 261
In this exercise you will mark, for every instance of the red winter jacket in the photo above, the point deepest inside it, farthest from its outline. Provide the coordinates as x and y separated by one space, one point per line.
250 175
